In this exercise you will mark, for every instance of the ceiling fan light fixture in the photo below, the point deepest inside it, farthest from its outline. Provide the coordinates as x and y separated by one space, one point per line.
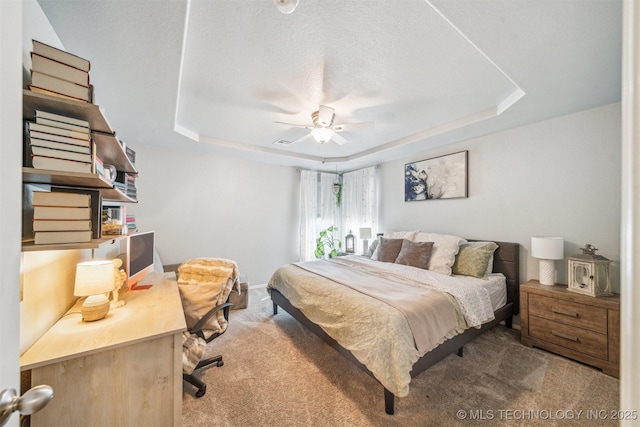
286 6
322 135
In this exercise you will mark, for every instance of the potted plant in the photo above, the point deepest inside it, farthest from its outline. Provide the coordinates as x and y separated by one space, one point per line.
326 239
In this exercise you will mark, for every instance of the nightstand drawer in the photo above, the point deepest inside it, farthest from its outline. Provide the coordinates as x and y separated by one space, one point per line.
569 313
584 341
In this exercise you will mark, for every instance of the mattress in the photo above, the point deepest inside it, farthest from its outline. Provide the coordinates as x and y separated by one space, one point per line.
497 287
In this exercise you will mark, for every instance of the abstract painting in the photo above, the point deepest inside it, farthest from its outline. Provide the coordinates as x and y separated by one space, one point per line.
443 177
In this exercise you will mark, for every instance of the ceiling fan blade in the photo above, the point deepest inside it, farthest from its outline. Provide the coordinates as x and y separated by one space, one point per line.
302 138
325 115
339 139
295 125
353 126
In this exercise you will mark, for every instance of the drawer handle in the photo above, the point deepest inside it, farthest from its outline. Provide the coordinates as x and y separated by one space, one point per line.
566 337
566 313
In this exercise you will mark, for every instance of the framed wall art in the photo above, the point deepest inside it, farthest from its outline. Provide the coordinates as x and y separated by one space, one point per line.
443 177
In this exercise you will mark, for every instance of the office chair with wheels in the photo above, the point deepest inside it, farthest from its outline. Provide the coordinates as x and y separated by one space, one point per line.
205 285
198 331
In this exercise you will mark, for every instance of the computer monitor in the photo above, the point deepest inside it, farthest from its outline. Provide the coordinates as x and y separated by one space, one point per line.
139 257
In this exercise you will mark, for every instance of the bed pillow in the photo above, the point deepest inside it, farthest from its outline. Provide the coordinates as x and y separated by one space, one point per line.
415 254
473 258
388 249
445 249
372 247
489 266
409 235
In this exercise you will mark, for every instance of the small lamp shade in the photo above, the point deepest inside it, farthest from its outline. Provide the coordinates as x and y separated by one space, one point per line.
94 279
547 249
365 233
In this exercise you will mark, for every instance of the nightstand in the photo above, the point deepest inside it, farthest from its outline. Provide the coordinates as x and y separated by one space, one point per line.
580 327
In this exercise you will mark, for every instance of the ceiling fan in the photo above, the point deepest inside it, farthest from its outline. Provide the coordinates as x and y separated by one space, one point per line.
324 130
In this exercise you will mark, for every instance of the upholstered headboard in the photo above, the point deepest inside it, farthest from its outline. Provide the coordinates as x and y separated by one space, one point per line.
506 260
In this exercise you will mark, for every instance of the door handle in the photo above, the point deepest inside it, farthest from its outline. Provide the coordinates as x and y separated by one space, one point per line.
31 401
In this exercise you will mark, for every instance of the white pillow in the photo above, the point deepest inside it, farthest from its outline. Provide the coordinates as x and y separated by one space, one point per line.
409 235
445 249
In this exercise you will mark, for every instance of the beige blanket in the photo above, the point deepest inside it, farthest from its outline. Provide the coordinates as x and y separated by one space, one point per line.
427 311
377 334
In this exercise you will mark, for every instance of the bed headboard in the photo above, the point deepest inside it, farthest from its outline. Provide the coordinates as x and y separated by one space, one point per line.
506 260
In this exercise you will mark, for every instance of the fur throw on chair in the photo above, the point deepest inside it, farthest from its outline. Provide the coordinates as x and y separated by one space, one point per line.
205 283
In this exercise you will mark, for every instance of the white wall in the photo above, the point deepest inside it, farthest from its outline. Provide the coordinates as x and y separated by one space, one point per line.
559 177
202 205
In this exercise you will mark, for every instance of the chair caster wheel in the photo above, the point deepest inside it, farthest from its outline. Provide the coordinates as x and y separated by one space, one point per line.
201 391
220 363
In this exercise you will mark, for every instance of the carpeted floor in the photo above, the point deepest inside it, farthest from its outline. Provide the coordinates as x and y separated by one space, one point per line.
277 373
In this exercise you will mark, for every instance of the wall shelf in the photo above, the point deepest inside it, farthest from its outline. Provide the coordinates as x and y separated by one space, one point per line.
94 244
108 149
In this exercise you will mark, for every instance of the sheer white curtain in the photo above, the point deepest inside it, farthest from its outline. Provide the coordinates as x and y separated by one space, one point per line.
360 201
318 210
308 213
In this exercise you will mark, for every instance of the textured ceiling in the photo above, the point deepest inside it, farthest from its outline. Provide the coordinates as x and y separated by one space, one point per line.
215 75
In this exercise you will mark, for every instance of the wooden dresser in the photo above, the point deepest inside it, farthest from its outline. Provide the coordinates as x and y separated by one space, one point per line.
583 328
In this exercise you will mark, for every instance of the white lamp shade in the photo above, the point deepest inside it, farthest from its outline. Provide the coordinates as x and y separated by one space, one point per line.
94 277
365 233
547 247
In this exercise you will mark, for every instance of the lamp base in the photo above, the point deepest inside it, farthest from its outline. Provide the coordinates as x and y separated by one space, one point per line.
547 272
95 307
365 246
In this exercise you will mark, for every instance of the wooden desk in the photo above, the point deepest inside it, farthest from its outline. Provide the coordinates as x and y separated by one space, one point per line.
123 370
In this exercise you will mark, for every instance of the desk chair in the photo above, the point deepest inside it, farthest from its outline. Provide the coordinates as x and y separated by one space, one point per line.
205 285
200 333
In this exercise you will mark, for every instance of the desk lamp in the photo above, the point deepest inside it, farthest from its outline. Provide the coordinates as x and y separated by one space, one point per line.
94 280
547 249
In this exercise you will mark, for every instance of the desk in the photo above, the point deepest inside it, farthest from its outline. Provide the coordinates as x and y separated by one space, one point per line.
123 370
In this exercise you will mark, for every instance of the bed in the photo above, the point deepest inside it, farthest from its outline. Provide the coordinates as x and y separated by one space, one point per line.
341 301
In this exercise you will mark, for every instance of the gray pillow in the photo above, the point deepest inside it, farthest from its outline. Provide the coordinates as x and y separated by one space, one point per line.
388 249
415 254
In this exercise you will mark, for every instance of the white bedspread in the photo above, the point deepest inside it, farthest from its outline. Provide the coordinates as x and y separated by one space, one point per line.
376 333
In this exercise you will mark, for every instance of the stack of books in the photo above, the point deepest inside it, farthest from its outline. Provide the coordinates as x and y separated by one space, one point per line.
60 217
131 224
59 143
59 73
126 182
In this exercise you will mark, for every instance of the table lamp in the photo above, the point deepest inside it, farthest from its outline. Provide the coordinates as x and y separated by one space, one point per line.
94 280
547 249
365 235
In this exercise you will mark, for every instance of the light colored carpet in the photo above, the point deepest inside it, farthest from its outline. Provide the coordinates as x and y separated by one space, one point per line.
277 373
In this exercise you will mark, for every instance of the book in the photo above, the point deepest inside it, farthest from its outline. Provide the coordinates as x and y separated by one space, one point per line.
59 138
36 142
62 225
45 65
52 237
60 86
62 125
49 92
59 154
58 212
60 199
51 163
59 118
39 127
61 56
